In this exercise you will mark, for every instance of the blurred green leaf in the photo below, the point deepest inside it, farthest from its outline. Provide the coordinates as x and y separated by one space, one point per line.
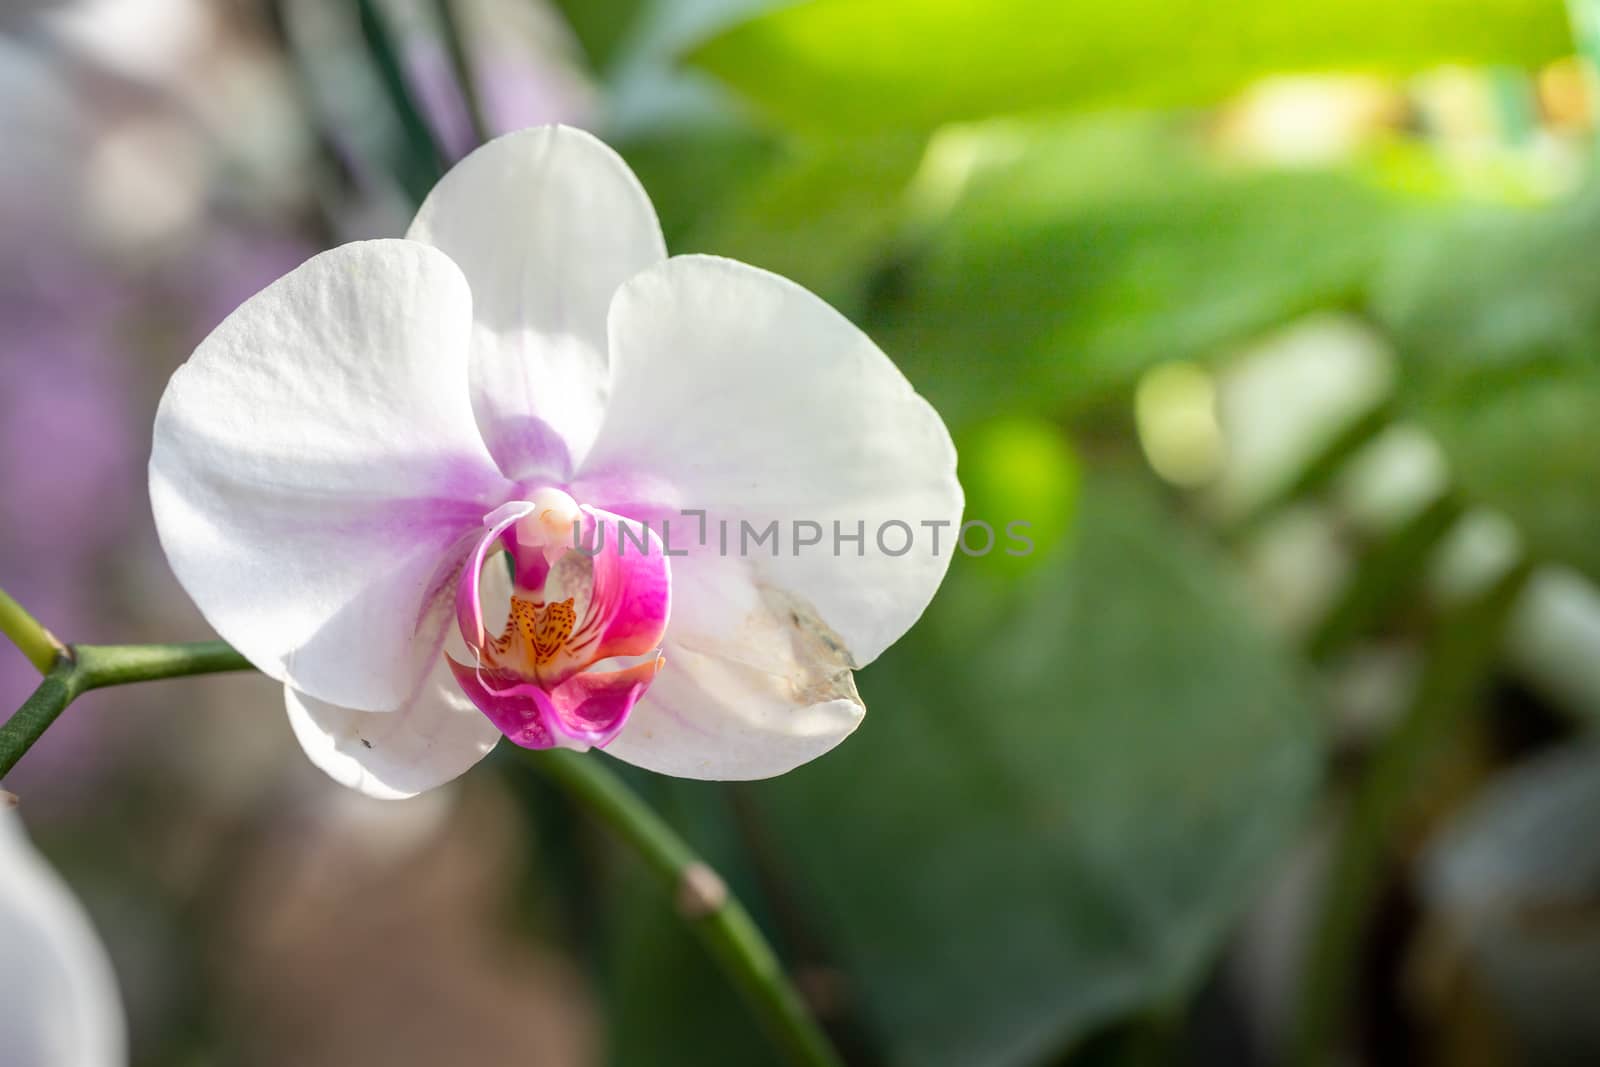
1016 468
650 92
824 215
844 64
1500 288
601 26
692 175
1499 322
1526 442
1084 255
1061 798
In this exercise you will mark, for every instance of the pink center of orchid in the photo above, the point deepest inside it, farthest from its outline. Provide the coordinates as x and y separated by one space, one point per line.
584 617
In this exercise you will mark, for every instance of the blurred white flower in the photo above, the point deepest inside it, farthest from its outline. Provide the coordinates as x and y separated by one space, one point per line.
142 39
1553 637
1288 396
1392 478
59 1005
1311 119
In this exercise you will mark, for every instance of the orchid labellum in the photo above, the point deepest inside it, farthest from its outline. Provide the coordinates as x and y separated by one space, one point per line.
388 480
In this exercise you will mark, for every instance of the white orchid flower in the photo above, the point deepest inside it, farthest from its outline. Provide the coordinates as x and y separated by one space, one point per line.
337 468
58 996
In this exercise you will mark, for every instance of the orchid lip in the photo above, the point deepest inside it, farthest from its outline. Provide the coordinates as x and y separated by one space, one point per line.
548 675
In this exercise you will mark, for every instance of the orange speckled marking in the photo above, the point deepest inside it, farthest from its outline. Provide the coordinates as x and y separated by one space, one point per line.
543 628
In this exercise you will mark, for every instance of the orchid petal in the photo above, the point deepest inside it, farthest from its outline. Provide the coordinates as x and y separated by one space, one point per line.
58 995
752 684
434 737
316 466
757 401
793 415
546 224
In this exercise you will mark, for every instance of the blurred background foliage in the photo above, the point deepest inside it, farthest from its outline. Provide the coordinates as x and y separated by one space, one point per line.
1280 323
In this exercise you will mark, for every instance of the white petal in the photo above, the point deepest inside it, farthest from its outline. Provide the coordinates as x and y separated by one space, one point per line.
58 995
546 224
316 466
741 394
433 738
750 686
754 400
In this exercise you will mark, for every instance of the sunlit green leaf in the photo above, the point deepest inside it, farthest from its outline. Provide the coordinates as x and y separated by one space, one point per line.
888 63
1019 470
1081 258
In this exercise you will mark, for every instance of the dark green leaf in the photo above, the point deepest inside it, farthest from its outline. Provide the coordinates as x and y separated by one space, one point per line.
1499 322
601 26
1060 800
692 175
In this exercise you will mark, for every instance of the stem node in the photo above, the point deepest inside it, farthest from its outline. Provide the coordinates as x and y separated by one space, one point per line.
701 891
703 900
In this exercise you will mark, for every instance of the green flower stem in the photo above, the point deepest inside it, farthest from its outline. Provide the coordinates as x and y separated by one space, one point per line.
1320 470
26 632
104 665
78 669
703 902
60 687
1385 577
